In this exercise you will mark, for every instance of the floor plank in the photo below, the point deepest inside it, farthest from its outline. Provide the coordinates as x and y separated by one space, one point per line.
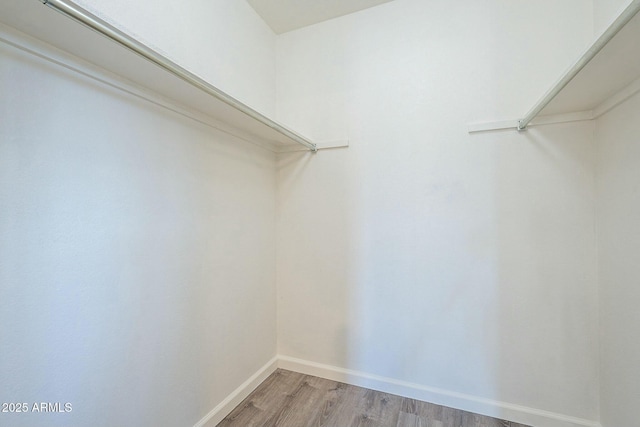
289 399
406 419
265 401
333 399
299 408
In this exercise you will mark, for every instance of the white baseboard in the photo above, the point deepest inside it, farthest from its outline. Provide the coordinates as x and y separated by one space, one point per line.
225 407
508 411
493 408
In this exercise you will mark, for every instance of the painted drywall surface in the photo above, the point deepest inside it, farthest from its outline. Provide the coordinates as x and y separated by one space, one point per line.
605 12
137 254
223 41
619 243
422 253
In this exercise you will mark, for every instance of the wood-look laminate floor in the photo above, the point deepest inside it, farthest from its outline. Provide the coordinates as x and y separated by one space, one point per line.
289 399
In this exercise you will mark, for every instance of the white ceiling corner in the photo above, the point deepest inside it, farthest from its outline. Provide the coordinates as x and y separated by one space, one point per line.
288 15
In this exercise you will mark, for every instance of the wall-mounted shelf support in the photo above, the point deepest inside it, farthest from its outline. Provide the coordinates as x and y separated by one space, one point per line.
604 76
593 50
95 23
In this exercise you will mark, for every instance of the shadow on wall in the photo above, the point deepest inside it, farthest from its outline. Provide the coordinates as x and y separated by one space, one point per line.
125 235
547 269
315 255
480 277
421 303
469 274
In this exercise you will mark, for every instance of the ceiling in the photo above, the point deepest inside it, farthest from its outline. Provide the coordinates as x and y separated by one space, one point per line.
287 15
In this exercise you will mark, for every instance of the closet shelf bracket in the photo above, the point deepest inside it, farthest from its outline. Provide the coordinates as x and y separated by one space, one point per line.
629 12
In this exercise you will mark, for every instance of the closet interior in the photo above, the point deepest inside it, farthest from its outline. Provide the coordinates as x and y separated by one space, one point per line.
437 200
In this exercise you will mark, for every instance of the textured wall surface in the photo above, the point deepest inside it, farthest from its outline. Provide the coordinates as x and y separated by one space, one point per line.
422 253
619 245
137 247
137 250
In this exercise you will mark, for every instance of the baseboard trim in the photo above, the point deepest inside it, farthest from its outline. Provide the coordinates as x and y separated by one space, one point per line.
225 407
503 410
493 408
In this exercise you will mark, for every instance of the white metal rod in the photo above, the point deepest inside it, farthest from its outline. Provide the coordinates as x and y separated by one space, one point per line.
88 19
597 46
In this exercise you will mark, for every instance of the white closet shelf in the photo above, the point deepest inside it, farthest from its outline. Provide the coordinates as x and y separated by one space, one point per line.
606 75
141 67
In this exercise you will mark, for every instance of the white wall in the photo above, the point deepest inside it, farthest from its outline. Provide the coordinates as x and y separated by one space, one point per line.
605 12
137 249
422 253
618 241
619 244
223 41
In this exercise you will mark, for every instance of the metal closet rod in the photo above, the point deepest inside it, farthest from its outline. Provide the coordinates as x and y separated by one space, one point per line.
88 19
601 42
